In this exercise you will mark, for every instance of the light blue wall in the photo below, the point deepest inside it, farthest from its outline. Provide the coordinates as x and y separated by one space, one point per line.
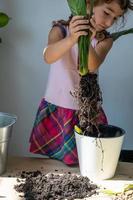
23 74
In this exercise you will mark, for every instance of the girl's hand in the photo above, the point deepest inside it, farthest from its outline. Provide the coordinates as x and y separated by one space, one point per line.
78 26
92 27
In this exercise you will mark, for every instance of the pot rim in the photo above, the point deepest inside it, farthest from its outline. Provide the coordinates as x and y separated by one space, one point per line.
105 125
12 116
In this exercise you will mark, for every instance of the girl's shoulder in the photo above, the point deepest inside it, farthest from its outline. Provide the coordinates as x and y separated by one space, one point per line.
62 28
57 32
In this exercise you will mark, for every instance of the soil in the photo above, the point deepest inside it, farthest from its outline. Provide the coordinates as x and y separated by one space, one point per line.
39 186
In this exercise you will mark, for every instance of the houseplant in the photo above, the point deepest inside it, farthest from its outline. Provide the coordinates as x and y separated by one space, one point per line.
4 19
93 140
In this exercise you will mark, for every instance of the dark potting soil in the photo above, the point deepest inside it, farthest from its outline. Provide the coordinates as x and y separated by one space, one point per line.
106 131
39 186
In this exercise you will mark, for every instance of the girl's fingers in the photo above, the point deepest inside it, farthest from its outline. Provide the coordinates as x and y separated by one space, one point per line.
78 22
80 33
76 18
81 27
92 21
93 16
93 31
92 27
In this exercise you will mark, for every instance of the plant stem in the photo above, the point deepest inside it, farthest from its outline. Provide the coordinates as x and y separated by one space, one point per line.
116 35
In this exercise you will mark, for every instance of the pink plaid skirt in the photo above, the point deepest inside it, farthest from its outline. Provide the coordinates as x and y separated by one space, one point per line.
53 132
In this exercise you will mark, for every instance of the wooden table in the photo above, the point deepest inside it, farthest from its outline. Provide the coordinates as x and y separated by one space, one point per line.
124 174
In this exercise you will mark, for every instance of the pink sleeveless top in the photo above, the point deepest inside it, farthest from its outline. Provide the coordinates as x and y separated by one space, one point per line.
64 79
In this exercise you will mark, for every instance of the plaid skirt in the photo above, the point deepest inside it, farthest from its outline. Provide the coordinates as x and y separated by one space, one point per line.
53 132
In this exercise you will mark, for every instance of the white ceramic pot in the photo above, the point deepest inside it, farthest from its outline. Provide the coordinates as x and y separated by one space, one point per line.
98 157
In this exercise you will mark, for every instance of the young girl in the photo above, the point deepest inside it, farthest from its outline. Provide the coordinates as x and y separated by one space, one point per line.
53 131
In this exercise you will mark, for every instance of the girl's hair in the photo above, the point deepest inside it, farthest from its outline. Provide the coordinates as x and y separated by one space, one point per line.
124 4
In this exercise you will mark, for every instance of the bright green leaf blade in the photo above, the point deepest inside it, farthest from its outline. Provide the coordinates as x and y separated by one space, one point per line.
128 187
109 192
78 7
4 19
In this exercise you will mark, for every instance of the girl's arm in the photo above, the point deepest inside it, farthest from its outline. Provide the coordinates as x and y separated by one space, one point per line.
57 45
97 55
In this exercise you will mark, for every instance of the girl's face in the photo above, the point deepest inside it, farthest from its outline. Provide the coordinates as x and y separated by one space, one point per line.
105 14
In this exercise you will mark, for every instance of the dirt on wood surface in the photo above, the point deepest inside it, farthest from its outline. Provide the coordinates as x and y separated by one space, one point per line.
39 186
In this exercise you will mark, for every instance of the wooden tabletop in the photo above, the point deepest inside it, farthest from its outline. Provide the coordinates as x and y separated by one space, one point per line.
124 175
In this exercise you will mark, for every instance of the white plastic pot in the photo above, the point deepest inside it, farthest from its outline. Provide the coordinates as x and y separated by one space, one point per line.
98 157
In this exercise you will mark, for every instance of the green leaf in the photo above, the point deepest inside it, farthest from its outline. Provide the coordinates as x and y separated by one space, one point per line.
109 192
4 19
128 187
116 35
78 7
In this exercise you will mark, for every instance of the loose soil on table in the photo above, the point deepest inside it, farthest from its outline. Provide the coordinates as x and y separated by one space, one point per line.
39 186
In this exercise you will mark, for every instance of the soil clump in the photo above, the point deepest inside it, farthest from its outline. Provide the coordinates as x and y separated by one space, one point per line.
39 186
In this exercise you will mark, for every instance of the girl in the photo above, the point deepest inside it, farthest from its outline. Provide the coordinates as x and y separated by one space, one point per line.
53 133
